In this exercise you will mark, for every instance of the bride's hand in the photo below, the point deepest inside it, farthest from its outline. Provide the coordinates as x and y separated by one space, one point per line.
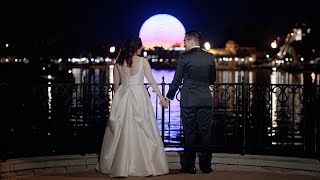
163 103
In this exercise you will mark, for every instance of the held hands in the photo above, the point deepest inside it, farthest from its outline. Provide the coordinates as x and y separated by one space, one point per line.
164 103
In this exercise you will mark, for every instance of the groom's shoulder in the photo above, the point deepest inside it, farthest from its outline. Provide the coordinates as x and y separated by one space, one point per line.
209 54
196 51
186 53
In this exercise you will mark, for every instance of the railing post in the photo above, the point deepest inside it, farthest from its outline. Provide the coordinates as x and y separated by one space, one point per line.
84 79
84 105
162 109
244 117
4 105
315 100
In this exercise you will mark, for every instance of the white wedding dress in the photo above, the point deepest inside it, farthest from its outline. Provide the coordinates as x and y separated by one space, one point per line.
132 145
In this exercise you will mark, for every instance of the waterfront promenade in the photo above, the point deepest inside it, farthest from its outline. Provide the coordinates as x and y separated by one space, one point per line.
226 166
236 174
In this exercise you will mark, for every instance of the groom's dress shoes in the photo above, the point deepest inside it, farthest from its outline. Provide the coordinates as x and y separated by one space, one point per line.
207 170
189 170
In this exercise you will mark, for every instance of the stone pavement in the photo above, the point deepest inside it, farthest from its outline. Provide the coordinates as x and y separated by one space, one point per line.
223 173
226 167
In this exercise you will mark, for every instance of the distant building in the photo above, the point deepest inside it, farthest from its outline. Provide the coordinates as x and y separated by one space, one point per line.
233 56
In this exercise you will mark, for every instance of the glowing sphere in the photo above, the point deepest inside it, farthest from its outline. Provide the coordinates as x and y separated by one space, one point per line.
162 30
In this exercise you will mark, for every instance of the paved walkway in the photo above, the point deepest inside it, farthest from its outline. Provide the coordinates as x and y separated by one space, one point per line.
226 167
224 173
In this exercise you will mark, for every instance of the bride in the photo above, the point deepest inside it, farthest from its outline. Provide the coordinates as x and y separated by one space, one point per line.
132 145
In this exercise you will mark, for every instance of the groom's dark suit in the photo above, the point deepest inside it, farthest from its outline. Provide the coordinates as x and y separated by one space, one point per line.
196 68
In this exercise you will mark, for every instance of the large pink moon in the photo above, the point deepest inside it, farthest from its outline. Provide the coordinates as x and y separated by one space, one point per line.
162 30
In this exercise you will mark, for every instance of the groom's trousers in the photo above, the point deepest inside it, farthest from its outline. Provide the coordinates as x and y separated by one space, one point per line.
197 120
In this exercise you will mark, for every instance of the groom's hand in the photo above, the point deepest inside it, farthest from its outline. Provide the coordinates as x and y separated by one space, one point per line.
164 103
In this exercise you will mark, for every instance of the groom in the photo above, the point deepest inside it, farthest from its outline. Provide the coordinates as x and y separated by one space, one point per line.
196 68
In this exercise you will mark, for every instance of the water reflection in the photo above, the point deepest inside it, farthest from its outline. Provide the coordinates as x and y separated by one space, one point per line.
105 75
49 100
273 79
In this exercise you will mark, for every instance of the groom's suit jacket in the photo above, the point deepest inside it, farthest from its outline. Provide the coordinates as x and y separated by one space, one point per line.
196 70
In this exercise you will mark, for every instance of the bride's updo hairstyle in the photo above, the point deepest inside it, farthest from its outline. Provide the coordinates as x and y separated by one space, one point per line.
129 49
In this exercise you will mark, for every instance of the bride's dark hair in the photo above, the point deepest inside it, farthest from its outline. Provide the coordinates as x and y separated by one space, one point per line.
128 50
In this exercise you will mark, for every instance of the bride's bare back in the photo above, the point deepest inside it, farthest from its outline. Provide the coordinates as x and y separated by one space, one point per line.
133 70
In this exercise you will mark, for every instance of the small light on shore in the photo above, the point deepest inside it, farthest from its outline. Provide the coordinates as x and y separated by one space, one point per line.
112 49
207 46
274 44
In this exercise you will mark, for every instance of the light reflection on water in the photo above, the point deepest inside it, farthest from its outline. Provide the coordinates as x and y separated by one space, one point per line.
103 75
172 121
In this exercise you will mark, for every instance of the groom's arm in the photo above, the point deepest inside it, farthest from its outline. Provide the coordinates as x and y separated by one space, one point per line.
177 79
212 74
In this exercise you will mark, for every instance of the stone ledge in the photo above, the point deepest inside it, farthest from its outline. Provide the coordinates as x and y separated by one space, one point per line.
17 168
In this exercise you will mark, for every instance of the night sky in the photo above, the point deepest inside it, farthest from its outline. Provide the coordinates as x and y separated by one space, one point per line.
80 23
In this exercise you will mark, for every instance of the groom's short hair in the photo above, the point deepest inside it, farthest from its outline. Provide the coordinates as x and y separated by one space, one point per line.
196 35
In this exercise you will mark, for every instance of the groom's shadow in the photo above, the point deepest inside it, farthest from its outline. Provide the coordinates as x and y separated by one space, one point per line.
181 156
176 169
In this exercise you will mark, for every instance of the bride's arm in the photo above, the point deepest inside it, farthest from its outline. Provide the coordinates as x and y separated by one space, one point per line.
116 77
148 75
